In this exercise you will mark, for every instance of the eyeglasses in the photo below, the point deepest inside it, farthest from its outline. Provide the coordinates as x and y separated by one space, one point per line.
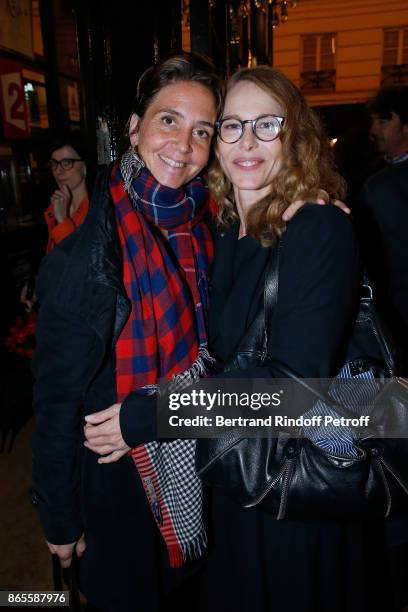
66 164
265 127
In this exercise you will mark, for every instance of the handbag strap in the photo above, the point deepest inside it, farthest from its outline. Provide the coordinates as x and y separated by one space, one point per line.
270 301
272 286
271 289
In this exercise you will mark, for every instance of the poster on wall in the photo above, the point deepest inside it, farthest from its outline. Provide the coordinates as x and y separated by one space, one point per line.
13 105
16 27
70 99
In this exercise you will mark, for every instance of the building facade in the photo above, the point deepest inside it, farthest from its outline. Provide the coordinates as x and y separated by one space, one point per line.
341 52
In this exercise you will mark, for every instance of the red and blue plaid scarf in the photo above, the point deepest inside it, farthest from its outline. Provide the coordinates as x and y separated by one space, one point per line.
166 282
168 288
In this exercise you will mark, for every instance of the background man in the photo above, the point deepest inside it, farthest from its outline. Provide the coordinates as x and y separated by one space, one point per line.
382 214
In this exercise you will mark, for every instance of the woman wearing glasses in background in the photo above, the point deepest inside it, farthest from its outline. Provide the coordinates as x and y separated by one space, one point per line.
69 202
271 150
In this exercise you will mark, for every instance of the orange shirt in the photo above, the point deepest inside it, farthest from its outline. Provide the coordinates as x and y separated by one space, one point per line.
59 231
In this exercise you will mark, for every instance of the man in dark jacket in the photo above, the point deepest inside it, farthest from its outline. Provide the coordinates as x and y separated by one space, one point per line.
382 222
382 214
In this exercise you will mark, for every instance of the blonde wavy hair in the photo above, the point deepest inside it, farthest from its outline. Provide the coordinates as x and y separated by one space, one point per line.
307 171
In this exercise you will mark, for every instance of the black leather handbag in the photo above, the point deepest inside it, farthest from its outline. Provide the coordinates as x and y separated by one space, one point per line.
293 478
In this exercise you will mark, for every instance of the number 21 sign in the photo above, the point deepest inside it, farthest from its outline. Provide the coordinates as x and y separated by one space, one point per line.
13 106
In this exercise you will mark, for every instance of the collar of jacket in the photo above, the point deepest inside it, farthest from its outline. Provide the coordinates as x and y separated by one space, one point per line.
91 283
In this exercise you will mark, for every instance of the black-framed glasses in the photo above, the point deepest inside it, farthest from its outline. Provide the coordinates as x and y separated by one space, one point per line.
265 127
66 164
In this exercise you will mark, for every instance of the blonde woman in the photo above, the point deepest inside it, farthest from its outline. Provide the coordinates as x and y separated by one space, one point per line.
270 151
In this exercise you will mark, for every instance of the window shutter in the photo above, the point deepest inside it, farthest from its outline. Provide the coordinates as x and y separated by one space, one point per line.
327 50
390 47
309 53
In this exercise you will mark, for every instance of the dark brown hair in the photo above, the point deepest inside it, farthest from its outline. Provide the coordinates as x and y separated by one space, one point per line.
391 99
189 67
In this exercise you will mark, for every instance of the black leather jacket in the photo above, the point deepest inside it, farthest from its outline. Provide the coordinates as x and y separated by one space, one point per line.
83 307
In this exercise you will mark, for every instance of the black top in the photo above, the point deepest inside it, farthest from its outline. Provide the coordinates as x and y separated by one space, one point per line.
318 282
256 562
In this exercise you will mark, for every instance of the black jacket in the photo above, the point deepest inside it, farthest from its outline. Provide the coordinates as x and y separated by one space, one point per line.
318 290
83 307
382 220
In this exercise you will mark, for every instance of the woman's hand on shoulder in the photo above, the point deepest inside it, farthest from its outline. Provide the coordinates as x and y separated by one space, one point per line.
297 205
103 434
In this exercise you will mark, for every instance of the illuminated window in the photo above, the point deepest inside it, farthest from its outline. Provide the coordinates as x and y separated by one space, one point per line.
395 47
35 94
395 56
318 61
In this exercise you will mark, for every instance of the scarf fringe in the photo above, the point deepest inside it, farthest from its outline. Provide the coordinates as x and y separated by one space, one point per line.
201 368
189 551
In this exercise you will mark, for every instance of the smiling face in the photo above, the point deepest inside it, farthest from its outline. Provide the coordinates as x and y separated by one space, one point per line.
250 164
173 137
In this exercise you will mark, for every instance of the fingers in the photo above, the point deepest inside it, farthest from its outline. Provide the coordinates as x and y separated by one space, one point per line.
107 430
114 456
105 445
105 438
64 552
103 415
106 449
342 206
93 432
80 546
102 432
66 191
102 448
295 206
59 194
292 210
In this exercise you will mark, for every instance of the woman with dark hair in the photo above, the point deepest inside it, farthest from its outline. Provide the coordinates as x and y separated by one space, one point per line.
271 150
69 203
122 305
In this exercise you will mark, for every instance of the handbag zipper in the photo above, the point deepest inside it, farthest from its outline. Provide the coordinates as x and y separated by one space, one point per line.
402 484
403 382
285 473
378 463
273 482
290 464
381 343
